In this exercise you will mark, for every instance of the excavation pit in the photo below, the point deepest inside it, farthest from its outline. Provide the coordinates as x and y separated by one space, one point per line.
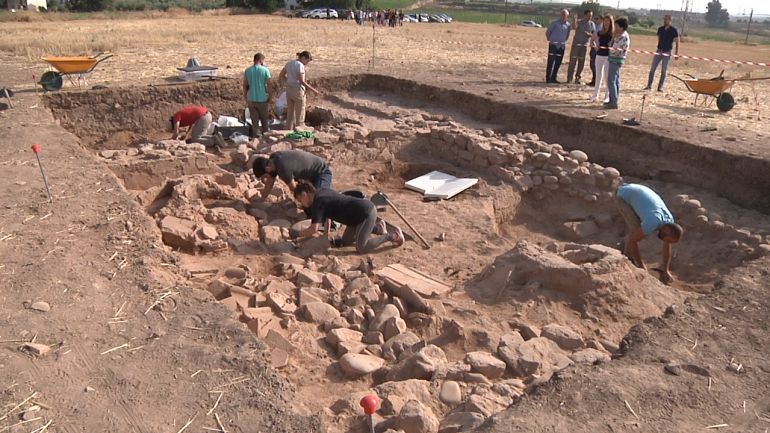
533 244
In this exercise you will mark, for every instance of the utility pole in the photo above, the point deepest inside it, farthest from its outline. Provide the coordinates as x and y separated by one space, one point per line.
506 12
684 15
751 15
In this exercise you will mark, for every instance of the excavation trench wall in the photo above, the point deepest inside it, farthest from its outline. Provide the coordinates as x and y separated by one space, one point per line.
97 115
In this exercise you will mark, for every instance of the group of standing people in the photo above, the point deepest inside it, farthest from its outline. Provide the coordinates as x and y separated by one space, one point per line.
257 94
609 43
389 17
256 91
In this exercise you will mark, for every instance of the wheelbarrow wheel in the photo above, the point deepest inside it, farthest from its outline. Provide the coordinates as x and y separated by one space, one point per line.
51 80
725 102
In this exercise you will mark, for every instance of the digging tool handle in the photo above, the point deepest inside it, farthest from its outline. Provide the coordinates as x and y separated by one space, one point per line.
398 212
8 97
36 150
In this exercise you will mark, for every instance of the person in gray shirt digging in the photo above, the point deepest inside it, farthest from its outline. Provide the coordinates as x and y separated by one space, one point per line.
292 166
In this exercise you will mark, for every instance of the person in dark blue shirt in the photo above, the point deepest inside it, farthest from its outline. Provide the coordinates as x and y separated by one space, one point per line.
667 36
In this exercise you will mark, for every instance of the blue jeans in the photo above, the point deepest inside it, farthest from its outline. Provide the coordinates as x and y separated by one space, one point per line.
323 180
656 59
555 55
613 82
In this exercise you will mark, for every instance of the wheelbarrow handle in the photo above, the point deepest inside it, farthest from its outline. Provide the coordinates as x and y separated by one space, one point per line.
678 78
105 57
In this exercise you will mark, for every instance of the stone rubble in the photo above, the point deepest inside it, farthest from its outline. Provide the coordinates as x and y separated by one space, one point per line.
374 331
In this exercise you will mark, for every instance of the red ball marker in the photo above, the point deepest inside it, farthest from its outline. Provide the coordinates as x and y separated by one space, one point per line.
370 403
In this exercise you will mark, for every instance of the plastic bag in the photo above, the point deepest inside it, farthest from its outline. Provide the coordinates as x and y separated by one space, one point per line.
239 138
280 104
228 121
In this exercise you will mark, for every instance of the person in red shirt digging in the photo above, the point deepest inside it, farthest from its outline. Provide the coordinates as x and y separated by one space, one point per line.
198 119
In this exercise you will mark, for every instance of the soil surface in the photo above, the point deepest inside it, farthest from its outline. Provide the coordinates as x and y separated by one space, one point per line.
128 327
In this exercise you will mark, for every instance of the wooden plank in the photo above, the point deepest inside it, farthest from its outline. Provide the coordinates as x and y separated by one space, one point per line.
423 284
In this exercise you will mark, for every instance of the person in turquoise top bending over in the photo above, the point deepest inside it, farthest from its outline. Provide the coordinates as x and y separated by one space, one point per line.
645 212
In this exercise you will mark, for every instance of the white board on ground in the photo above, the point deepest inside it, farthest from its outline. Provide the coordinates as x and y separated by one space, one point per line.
440 185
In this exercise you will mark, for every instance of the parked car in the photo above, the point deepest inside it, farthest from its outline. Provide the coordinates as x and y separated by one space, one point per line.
301 13
530 23
411 19
446 17
322 13
436 19
345 14
423 18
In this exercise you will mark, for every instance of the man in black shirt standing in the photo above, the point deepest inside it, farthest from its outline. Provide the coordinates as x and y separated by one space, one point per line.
667 35
359 216
291 166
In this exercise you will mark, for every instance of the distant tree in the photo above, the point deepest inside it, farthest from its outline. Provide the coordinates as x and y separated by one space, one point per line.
263 5
716 16
592 6
633 18
89 5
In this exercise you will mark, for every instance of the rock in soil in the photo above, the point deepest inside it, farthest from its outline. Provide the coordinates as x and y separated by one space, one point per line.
356 364
565 337
319 312
486 364
451 393
41 306
417 418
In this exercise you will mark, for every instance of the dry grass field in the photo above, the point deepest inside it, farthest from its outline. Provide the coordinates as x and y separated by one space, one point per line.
501 61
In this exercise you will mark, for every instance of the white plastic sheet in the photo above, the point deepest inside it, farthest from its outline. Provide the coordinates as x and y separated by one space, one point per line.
440 185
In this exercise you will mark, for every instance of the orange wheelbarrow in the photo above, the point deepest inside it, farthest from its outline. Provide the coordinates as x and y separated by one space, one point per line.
79 66
714 89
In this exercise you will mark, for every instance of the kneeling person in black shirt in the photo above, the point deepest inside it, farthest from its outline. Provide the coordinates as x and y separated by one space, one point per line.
358 215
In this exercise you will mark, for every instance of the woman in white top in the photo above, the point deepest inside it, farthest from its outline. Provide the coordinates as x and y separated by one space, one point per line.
602 40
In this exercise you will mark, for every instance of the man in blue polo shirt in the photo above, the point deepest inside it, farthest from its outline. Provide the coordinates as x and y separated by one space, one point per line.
645 212
557 35
255 81
667 35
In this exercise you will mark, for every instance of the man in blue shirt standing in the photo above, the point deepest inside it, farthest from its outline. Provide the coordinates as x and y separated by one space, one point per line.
645 212
255 80
667 35
557 35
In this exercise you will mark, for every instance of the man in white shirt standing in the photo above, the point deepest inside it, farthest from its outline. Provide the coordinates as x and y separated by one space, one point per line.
294 74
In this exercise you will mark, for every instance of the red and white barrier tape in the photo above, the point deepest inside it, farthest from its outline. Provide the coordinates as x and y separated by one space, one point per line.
681 56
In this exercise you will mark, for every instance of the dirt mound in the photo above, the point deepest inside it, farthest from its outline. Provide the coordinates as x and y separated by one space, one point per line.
596 282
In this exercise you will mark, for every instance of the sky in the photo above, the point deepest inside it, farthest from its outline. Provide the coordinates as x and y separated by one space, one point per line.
734 7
